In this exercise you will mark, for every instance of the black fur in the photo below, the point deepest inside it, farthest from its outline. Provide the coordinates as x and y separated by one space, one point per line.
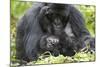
63 23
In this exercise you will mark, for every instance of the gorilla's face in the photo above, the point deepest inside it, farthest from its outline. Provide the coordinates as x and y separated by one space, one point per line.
57 15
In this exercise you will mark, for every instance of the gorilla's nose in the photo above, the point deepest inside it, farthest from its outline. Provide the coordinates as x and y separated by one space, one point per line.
57 21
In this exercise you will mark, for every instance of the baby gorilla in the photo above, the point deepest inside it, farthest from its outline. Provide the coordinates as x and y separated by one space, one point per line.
59 45
50 43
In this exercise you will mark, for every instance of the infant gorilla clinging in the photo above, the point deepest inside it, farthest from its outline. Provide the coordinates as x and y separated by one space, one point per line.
58 28
51 44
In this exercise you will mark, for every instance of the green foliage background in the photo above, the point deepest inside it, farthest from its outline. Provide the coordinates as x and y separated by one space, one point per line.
18 8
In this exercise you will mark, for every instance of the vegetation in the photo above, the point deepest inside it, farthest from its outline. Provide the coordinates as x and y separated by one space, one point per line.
19 8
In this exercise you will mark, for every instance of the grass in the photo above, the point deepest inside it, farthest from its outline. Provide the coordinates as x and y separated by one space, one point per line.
49 59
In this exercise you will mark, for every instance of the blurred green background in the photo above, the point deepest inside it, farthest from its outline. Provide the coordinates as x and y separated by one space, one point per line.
18 8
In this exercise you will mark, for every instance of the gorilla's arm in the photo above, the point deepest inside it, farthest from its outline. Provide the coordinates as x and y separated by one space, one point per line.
20 50
77 23
78 27
28 34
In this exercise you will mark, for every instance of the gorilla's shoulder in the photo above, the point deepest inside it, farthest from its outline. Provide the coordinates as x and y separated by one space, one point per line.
34 9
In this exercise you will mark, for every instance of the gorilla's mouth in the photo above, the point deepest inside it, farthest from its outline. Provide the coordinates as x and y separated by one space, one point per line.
57 27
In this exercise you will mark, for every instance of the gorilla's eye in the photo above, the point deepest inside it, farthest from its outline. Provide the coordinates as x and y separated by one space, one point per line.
50 16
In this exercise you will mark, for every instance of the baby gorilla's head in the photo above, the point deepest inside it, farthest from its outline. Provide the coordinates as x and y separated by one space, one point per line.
52 42
52 45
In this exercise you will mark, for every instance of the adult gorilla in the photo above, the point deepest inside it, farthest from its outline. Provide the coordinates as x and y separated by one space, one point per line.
57 28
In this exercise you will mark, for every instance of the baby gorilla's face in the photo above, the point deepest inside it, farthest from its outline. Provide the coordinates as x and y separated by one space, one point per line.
53 45
52 42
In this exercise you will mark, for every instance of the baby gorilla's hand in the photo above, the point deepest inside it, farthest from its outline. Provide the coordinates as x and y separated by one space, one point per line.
52 41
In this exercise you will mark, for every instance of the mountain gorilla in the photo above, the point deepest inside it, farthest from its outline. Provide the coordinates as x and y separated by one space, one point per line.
58 28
